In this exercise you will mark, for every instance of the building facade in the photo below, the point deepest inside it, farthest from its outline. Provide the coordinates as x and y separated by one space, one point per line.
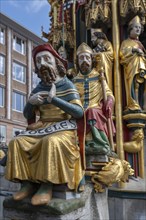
17 77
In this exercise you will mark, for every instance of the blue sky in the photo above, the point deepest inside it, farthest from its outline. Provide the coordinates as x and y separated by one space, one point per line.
32 14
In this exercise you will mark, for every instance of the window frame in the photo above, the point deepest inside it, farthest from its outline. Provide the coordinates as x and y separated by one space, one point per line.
3 132
35 80
14 73
4 60
2 30
3 96
22 46
21 102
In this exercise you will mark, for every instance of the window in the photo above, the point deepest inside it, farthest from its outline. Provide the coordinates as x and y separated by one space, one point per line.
19 45
2 65
19 101
3 133
2 96
35 80
19 72
2 35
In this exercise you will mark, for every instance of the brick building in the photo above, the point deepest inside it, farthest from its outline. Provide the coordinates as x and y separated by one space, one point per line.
17 77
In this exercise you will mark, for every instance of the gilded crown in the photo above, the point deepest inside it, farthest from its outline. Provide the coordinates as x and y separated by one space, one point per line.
84 48
135 20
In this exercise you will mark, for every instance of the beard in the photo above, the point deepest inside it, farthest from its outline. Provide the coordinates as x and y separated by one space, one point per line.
47 75
85 67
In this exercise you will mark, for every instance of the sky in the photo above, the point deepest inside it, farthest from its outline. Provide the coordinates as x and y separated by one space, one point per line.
31 14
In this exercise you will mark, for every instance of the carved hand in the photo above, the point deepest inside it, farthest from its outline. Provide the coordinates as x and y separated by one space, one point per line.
138 50
36 99
52 93
108 106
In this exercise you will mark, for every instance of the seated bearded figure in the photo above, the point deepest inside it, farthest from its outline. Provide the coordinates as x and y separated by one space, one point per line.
47 152
96 110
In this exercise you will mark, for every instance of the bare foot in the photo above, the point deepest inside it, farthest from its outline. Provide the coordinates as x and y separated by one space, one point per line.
43 195
27 189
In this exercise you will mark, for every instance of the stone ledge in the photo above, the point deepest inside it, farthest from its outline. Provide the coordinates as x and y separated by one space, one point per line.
91 206
55 207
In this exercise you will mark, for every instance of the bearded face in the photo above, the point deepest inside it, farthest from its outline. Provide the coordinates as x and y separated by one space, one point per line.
47 74
85 62
46 65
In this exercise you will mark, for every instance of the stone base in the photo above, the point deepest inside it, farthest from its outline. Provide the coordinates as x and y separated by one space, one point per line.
66 195
61 191
91 206
130 202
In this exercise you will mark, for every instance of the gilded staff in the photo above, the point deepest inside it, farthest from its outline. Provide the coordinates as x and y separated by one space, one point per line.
74 30
102 78
63 23
117 80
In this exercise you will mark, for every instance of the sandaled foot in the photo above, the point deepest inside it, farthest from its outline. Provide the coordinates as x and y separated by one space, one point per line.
27 189
43 195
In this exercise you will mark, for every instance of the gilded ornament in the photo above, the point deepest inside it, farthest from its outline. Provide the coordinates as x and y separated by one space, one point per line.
136 143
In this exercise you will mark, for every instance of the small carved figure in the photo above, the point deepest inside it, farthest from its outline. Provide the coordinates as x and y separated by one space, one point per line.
136 143
133 59
47 152
103 53
62 52
65 53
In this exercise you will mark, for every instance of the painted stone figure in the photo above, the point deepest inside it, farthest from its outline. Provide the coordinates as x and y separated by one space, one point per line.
89 86
65 52
62 52
132 55
103 53
47 152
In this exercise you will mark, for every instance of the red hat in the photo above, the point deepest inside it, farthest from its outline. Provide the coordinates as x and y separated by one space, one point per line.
47 47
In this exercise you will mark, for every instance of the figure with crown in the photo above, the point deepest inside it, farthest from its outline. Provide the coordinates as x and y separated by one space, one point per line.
133 59
97 110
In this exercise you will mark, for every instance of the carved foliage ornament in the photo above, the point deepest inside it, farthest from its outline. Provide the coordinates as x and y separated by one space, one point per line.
61 18
133 6
98 10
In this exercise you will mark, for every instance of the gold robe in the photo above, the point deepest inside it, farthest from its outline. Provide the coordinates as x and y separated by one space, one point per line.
105 60
54 157
132 63
90 89
91 93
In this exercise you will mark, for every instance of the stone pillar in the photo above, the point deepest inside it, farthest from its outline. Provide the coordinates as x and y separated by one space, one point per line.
29 67
9 73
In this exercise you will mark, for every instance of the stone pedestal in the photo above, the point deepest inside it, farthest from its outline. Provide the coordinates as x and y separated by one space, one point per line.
127 208
129 203
90 205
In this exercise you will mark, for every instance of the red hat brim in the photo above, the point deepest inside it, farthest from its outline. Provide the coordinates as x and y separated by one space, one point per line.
47 47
